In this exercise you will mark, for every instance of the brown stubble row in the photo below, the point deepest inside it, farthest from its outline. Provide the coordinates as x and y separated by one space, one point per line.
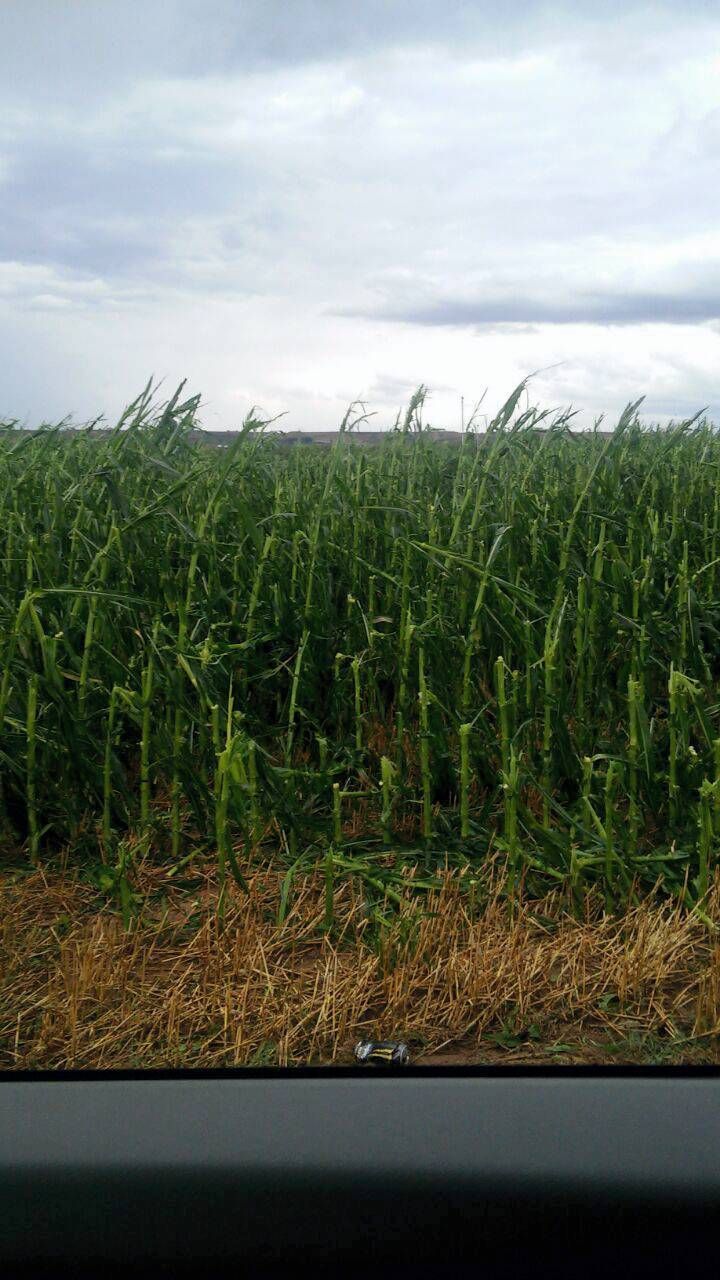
183 989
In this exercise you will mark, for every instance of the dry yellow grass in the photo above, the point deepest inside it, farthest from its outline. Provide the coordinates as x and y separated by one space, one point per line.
78 991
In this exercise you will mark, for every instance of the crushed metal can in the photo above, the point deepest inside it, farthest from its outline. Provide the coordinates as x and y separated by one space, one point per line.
386 1053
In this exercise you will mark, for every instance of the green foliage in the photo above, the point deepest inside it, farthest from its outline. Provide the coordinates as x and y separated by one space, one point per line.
366 653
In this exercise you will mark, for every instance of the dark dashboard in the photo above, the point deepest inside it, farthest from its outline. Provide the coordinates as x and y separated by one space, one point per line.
483 1172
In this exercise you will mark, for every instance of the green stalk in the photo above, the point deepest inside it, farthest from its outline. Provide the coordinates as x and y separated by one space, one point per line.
712 576
642 659
253 791
268 545
504 714
337 815
594 610
552 640
372 607
402 693
716 794
222 799
624 422
145 737
176 784
30 784
682 603
387 775
580 624
610 781
297 536
355 664
527 632
465 731
708 792
634 814
293 697
473 637
511 791
329 889
673 724
215 729
587 772
424 702
90 623
107 775
9 656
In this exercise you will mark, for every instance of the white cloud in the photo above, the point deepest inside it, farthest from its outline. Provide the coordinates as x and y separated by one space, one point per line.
295 209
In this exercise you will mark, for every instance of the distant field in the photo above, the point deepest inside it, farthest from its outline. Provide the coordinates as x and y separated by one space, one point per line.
223 439
377 662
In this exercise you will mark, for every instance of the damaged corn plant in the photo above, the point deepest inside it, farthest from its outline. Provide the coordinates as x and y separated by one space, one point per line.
365 656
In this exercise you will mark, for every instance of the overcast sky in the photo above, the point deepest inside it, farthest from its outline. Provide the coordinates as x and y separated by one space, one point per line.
299 203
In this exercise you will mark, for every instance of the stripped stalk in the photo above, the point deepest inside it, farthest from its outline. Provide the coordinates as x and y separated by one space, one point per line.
633 710
355 664
705 838
31 780
387 775
337 814
107 774
511 792
610 856
504 714
465 731
145 736
329 889
424 703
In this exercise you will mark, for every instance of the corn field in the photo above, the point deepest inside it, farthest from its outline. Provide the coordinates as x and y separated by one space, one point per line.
372 657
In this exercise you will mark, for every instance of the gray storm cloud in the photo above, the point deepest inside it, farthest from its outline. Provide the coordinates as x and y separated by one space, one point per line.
612 308
299 199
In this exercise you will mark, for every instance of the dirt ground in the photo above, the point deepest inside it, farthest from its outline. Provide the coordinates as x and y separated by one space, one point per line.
462 985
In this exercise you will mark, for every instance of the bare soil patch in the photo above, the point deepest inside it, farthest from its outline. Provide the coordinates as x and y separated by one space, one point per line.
462 985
